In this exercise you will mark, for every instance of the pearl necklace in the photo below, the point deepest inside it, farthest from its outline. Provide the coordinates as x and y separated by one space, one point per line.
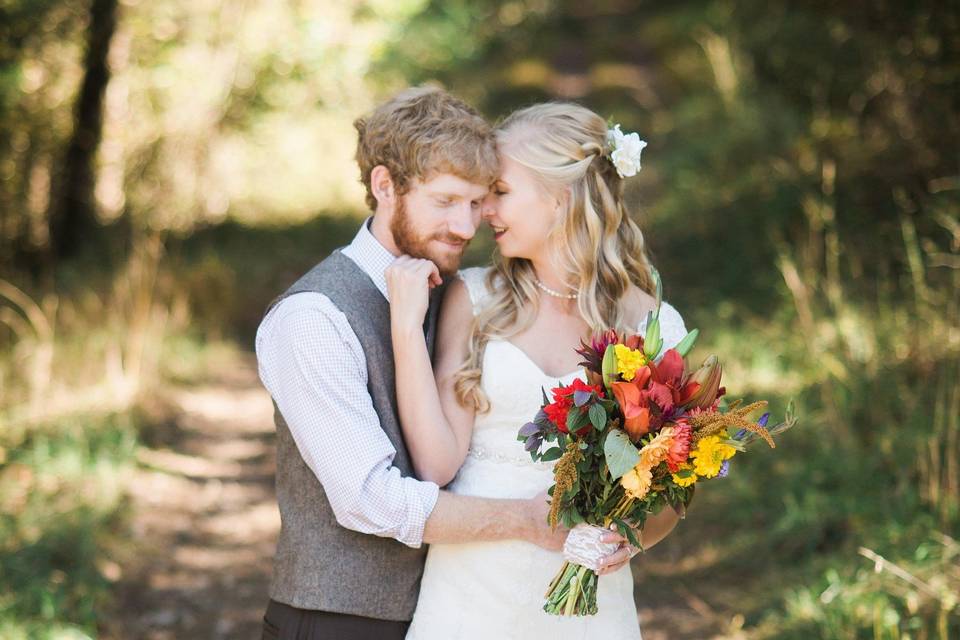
551 292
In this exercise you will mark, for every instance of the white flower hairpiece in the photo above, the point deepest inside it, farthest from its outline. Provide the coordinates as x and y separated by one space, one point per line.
625 151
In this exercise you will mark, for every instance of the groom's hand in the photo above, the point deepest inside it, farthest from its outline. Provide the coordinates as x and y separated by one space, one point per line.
541 533
409 281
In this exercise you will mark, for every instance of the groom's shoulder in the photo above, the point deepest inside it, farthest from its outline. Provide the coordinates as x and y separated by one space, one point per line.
302 307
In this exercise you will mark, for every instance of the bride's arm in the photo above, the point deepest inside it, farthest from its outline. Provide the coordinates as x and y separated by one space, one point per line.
435 426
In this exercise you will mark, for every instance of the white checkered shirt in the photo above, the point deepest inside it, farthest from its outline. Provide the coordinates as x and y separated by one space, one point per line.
311 362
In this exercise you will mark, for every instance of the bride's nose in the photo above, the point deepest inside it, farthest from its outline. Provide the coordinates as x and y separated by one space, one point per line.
488 208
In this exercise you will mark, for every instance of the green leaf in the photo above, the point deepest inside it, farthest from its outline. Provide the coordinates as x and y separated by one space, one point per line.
576 420
598 417
620 453
628 532
551 454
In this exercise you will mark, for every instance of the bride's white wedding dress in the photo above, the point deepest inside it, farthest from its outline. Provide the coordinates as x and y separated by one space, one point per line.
494 590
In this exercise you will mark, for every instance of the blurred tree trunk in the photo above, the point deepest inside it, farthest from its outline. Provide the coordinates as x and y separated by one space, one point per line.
72 206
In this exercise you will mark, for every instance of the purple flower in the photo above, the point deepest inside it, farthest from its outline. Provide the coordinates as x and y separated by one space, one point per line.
724 469
533 443
762 422
531 434
528 430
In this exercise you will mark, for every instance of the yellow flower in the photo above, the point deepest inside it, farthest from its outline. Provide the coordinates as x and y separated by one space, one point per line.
685 477
628 361
709 456
637 482
655 451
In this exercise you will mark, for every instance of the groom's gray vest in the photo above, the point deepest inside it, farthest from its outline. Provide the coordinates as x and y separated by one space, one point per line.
321 565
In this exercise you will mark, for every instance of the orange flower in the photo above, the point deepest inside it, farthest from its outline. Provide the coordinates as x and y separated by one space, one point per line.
634 404
657 450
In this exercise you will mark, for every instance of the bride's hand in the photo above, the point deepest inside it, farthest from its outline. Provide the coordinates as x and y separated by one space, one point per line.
409 281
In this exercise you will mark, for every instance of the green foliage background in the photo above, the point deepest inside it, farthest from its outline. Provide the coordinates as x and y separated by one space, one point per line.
799 196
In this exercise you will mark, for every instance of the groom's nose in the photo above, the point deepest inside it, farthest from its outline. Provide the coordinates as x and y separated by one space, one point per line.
464 220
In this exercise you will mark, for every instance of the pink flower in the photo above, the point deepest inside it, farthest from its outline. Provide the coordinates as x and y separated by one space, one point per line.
679 446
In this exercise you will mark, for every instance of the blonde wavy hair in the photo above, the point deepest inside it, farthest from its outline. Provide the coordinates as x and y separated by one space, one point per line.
597 247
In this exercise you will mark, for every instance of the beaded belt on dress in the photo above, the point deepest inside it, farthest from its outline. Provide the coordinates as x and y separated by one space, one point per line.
481 453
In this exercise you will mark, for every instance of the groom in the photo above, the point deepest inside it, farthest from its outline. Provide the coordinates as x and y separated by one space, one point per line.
354 516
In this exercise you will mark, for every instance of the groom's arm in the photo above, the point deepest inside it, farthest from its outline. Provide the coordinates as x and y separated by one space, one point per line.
456 518
312 363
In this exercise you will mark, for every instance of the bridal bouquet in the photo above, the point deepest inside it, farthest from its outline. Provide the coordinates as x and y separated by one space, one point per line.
634 438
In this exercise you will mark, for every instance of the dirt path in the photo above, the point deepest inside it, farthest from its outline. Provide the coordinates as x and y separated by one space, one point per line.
205 524
205 517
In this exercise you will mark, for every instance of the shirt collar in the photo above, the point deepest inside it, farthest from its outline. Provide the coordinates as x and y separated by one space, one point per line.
371 256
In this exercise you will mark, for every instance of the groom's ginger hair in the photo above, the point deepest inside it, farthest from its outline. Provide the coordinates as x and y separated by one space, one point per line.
423 131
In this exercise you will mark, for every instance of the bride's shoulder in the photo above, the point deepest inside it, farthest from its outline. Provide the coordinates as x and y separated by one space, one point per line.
640 303
669 313
474 280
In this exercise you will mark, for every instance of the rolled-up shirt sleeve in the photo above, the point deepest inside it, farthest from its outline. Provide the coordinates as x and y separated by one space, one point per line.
313 365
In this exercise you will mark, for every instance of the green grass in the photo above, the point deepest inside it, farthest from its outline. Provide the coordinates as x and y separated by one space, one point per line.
63 497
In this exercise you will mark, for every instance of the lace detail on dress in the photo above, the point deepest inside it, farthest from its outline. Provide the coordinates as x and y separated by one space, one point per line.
475 280
672 329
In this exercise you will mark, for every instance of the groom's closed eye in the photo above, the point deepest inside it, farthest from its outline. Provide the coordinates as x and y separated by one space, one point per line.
446 201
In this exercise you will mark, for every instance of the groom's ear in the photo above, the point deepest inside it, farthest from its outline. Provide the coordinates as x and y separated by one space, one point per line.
381 184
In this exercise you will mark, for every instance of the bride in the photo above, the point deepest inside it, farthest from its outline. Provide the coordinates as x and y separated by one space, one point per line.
570 262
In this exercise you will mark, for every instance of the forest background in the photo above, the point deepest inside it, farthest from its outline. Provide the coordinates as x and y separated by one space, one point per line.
168 167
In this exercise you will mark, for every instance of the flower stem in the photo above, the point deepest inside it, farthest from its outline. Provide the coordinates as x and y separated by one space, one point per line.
556 579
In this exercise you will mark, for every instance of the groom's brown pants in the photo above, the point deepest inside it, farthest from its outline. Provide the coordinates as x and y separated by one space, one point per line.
283 622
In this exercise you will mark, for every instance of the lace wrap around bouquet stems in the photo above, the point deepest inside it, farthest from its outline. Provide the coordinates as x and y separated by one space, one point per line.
634 438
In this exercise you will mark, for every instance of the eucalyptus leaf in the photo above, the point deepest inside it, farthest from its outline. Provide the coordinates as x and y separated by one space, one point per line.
620 453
